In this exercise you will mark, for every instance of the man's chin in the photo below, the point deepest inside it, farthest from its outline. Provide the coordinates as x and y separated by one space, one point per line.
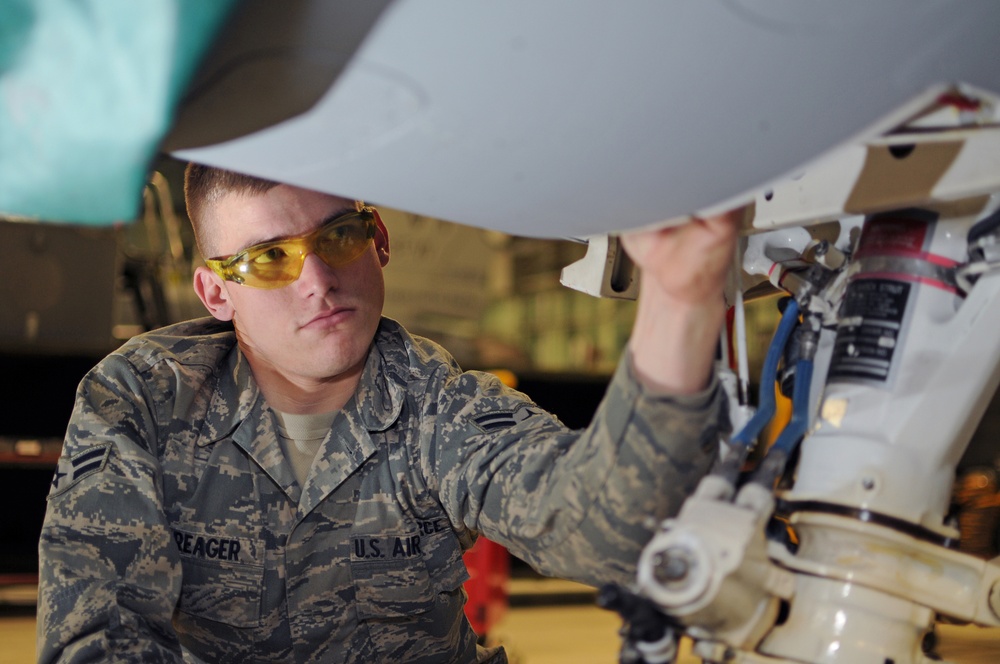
329 369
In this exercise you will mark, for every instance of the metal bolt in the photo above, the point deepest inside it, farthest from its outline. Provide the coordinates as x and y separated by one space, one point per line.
671 565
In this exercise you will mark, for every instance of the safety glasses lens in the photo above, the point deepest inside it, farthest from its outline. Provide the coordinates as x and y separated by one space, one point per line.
342 242
272 267
277 264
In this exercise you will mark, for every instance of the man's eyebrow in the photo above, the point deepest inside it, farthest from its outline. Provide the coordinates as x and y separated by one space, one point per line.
327 219
334 215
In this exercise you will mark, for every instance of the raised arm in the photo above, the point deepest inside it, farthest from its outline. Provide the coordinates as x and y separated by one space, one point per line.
582 504
681 309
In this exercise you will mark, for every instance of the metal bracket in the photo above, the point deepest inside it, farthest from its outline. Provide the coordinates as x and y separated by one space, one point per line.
605 270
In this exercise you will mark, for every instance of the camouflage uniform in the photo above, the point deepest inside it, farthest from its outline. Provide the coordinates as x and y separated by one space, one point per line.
175 525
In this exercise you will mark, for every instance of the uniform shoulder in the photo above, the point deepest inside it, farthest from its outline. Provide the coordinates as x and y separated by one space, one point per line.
202 341
413 359
415 356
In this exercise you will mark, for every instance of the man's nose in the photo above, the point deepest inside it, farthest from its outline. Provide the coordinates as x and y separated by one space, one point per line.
316 276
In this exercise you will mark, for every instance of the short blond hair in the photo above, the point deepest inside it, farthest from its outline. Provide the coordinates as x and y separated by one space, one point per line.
205 185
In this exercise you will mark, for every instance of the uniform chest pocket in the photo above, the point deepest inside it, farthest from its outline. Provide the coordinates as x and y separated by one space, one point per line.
390 576
222 578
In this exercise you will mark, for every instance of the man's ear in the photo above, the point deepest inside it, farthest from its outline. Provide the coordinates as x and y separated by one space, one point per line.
213 294
381 241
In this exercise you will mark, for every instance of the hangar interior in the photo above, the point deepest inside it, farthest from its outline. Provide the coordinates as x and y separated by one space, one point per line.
494 300
819 113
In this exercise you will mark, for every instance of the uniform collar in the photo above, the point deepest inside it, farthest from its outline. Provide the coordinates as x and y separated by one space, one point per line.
379 398
375 407
223 417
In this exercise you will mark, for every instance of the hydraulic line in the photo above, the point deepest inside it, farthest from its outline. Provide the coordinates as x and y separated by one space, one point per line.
766 403
773 465
796 427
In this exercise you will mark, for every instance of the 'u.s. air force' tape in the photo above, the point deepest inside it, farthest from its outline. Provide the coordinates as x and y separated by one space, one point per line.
74 468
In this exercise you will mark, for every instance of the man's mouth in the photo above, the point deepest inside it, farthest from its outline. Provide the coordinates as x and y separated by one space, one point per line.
329 317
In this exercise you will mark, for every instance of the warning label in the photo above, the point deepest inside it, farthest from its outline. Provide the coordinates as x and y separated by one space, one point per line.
893 236
871 320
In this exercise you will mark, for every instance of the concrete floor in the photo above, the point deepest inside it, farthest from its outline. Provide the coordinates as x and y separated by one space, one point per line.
531 635
577 634
17 638
556 635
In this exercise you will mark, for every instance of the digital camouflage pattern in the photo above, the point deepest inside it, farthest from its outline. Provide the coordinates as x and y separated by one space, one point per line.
176 531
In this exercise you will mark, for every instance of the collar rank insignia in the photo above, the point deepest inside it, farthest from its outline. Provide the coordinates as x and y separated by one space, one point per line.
74 468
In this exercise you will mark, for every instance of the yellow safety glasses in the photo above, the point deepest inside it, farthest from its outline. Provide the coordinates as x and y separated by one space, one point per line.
278 263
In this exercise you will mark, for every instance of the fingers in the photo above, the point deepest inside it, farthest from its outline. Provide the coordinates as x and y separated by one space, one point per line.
689 261
700 235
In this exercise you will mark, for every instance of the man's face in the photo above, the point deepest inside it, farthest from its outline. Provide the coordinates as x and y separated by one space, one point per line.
319 327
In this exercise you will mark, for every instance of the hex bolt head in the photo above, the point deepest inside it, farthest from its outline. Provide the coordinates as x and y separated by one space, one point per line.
672 565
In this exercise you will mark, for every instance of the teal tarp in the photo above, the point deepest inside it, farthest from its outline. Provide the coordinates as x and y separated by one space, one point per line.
87 91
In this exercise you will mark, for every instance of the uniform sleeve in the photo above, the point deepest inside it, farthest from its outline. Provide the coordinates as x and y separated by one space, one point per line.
573 504
109 575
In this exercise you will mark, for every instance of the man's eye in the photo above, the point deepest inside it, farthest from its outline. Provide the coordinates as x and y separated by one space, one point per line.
270 255
347 232
338 232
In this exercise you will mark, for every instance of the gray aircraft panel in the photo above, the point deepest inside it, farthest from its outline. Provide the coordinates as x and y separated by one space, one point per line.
573 117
